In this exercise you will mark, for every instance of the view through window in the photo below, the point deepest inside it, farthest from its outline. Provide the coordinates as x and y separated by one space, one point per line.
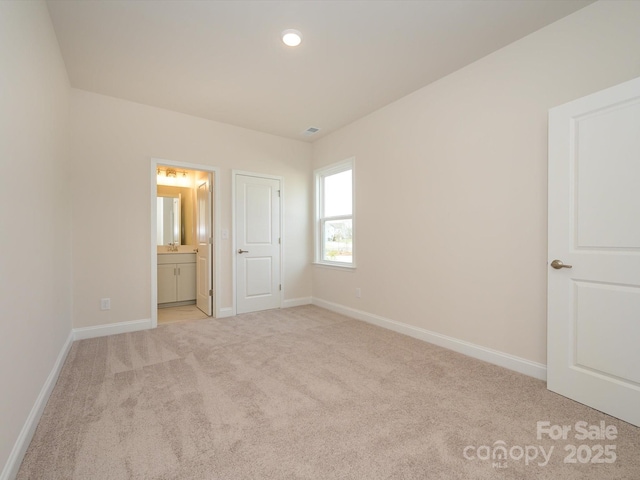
335 214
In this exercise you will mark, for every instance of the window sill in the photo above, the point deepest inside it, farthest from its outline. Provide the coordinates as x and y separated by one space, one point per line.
335 266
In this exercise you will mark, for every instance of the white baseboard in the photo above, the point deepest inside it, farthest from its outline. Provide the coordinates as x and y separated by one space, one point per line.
296 302
14 461
225 312
518 364
111 329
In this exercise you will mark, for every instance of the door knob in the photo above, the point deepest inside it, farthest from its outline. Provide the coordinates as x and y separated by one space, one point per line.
242 251
557 264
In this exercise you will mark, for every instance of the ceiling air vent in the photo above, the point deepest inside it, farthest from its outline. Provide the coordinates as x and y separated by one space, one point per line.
310 131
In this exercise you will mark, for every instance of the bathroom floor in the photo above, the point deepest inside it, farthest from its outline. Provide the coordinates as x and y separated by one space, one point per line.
180 314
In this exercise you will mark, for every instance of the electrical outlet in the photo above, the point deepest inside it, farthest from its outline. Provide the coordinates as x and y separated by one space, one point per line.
105 304
225 234
358 293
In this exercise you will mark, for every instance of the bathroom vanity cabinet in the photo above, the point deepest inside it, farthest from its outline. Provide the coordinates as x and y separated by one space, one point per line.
176 277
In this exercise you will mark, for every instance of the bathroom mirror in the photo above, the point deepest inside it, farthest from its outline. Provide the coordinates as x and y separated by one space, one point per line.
169 220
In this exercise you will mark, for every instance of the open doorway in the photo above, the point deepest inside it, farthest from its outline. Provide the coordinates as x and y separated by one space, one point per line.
183 238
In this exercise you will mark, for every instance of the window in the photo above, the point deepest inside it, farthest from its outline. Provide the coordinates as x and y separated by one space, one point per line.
334 215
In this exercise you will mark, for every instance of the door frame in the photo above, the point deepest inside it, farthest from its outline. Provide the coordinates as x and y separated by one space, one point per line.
155 162
234 174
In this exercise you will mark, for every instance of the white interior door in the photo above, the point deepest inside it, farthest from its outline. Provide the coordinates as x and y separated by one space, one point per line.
257 220
594 227
204 260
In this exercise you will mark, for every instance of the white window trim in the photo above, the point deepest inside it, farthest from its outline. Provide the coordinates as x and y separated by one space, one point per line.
319 174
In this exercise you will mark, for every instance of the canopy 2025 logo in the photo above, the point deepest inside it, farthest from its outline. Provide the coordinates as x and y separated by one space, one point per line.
499 453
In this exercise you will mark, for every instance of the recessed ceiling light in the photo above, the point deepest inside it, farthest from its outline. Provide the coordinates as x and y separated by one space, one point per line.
291 37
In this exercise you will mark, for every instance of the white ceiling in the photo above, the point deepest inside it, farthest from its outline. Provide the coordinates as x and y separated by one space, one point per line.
224 60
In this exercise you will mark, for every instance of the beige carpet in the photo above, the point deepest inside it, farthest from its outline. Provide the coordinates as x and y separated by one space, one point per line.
303 393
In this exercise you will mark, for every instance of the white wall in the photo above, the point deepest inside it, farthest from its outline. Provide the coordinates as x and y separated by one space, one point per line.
452 185
112 144
35 212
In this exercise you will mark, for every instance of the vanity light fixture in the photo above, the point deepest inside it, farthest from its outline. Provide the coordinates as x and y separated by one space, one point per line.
172 177
291 37
172 172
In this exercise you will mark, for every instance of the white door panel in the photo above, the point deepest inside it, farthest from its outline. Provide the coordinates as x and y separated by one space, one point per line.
204 261
258 273
608 174
257 216
609 347
594 226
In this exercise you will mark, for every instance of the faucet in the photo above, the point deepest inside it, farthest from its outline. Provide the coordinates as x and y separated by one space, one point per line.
173 247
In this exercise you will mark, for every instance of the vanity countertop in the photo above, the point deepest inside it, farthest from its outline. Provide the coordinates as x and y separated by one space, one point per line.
164 249
176 257
174 253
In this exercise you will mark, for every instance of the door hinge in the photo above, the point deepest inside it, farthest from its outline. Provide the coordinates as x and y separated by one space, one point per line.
278 192
280 287
211 293
279 241
210 240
